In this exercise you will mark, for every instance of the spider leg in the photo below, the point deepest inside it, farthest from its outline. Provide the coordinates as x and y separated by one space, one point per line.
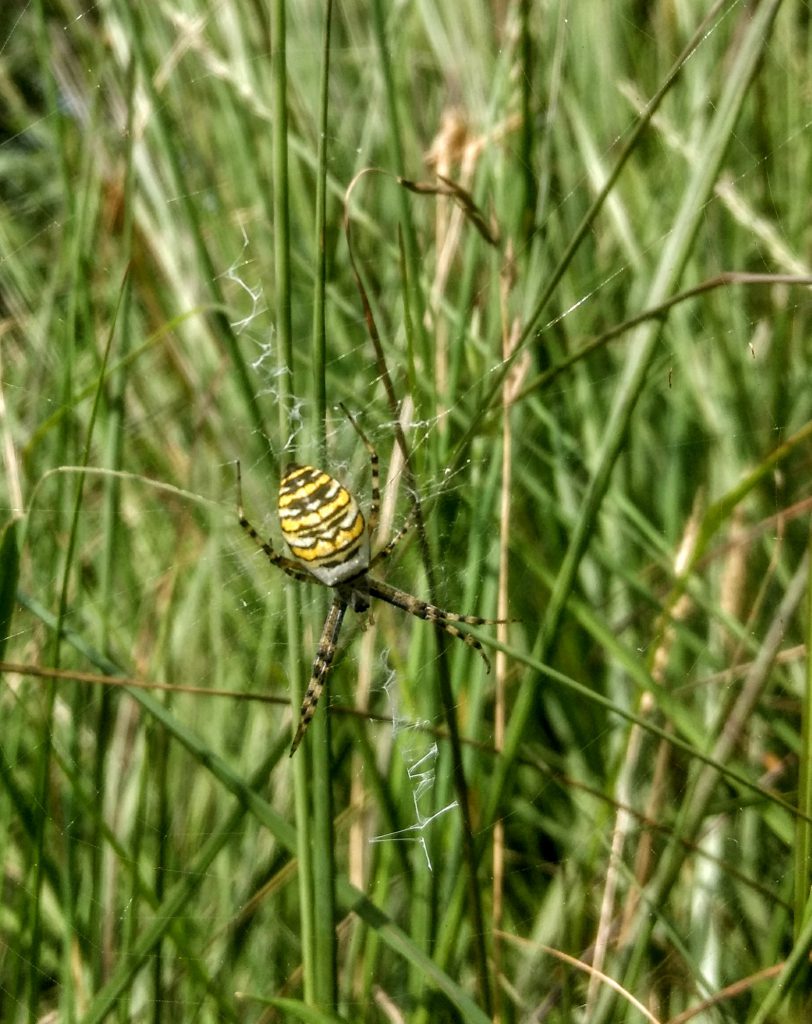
285 564
375 505
431 613
321 667
389 547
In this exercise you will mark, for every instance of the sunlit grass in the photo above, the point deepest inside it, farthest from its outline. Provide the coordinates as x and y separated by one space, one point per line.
637 764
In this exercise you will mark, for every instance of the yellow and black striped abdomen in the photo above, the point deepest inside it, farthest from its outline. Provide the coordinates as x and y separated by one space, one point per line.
322 524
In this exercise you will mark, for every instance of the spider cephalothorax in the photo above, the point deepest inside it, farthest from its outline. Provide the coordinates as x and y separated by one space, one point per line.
331 542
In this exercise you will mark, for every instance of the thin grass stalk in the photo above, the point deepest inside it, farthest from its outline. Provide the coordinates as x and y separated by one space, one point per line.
323 853
500 666
527 136
16 803
448 701
423 890
803 827
443 673
492 491
398 166
77 299
10 566
110 531
80 323
461 788
42 770
364 946
319 342
287 391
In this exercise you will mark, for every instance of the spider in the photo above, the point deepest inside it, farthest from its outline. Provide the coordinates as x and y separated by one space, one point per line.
331 542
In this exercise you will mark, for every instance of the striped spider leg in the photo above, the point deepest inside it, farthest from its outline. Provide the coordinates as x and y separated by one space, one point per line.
293 569
321 667
431 613
331 543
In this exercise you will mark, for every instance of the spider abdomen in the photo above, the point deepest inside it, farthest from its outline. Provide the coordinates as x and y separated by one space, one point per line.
322 524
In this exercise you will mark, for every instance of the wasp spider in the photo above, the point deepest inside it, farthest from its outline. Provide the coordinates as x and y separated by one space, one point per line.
331 542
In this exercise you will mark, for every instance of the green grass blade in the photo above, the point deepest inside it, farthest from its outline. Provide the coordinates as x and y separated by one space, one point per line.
9 572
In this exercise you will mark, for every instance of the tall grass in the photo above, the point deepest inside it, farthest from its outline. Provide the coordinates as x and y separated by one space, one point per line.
585 365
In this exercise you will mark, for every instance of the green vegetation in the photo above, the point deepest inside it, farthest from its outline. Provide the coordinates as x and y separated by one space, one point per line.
586 367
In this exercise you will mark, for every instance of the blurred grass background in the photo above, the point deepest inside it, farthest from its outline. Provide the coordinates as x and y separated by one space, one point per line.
177 294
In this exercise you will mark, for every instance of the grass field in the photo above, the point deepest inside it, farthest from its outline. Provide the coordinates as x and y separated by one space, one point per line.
582 234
